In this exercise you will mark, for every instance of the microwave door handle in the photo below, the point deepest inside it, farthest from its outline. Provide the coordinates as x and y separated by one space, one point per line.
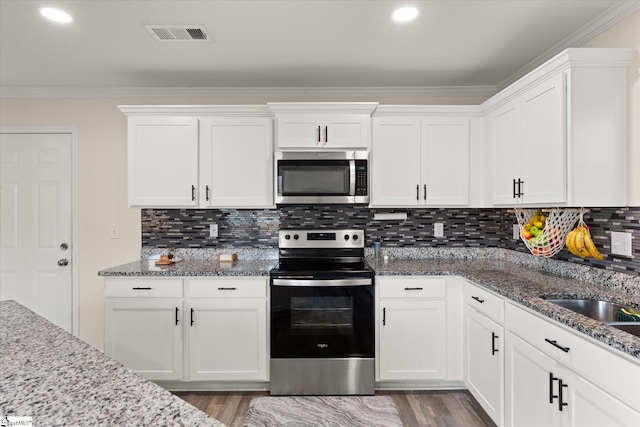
352 177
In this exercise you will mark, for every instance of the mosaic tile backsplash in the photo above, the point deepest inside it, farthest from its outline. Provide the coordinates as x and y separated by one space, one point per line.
189 228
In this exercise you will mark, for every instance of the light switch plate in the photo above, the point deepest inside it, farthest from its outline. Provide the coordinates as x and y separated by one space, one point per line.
114 231
621 243
516 232
438 229
213 230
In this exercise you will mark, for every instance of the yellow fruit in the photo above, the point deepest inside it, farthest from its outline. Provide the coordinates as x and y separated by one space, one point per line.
539 224
590 245
579 243
570 242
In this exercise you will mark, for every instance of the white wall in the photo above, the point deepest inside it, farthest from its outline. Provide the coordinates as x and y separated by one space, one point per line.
626 33
103 181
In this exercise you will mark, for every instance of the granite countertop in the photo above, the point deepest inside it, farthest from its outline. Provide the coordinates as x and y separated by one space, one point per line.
194 267
529 287
57 379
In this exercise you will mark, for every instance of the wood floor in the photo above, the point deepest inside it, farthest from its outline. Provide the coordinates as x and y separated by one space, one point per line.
416 408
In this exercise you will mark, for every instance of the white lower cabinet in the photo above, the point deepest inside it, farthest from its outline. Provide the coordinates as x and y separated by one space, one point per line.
414 341
227 333
205 329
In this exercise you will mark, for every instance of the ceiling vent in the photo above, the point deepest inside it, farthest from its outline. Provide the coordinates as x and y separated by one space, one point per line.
179 33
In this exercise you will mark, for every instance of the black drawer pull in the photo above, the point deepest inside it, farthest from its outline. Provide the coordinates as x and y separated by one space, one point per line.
478 299
412 289
561 404
555 344
227 289
384 316
494 350
192 317
141 289
551 380
176 315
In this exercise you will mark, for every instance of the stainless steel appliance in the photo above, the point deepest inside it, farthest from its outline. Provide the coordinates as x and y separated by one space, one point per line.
322 315
322 177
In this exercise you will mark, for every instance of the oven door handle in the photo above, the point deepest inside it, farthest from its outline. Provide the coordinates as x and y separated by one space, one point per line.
321 283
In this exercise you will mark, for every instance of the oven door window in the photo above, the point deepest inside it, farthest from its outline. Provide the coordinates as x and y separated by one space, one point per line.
314 178
322 321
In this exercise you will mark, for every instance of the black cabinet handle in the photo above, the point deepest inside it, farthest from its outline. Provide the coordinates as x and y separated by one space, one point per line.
520 192
555 344
425 192
141 289
494 350
176 315
514 188
318 133
384 316
207 192
227 289
326 134
418 192
478 299
192 317
412 289
551 380
193 193
561 403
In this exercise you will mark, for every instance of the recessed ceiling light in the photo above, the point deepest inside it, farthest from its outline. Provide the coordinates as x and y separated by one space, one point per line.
56 15
404 14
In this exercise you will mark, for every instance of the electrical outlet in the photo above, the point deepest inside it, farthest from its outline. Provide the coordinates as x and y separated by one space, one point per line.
114 231
438 229
213 230
516 232
620 243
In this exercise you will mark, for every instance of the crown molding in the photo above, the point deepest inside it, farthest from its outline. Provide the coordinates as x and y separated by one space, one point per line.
612 16
196 110
428 110
246 92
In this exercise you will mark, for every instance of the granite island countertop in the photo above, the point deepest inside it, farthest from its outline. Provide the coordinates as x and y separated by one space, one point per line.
194 267
528 287
57 379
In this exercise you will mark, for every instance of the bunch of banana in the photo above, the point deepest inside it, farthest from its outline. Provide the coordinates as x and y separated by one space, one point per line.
580 243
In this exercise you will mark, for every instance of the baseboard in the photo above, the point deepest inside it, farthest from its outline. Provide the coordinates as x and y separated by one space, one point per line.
420 385
214 385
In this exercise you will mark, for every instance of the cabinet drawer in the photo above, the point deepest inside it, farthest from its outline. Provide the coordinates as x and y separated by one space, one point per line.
611 372
142 288
232 287
484 301
412 287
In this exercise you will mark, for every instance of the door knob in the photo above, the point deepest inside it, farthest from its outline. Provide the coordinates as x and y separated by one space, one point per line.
64 246
62 262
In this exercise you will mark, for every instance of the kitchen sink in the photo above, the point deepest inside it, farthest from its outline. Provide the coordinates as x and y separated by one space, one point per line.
632 328
604 311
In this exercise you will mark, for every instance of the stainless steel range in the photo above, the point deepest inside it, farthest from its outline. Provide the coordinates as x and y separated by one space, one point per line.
322 315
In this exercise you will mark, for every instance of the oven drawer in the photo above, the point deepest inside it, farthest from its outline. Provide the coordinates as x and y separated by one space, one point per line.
232 287
412 287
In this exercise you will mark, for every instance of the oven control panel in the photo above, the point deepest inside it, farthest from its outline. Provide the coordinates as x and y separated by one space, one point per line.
321 238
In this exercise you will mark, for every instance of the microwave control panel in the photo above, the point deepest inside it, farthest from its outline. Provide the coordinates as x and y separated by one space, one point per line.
361 178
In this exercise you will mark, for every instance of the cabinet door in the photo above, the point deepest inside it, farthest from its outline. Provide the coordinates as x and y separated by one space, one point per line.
299 132
543 154
162 161
505 134
237 163
228 340
395 161
346 131
532 386
145 336
592 407
413 340
445 162
485 362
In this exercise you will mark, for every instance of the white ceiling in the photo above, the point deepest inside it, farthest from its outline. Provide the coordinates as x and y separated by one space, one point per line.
477 44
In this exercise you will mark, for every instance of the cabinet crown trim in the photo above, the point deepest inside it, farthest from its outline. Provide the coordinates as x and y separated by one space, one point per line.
428 110
195 110
363 108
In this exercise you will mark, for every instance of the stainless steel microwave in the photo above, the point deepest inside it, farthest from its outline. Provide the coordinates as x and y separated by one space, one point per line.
322 177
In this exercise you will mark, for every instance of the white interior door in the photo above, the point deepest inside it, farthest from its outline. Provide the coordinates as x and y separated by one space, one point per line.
36 223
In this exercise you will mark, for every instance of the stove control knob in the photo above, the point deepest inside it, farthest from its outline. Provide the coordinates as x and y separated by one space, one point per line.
346 237
355 237
287 237
296 237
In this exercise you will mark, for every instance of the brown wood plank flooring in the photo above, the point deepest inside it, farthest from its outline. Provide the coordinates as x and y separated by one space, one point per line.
417 408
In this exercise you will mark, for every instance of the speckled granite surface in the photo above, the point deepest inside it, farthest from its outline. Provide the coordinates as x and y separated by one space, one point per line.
57 379
529 287
194 267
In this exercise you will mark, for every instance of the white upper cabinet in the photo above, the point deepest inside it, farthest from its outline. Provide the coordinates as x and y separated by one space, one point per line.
420 161
236 162
163 159
323 125
200 156
557 137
